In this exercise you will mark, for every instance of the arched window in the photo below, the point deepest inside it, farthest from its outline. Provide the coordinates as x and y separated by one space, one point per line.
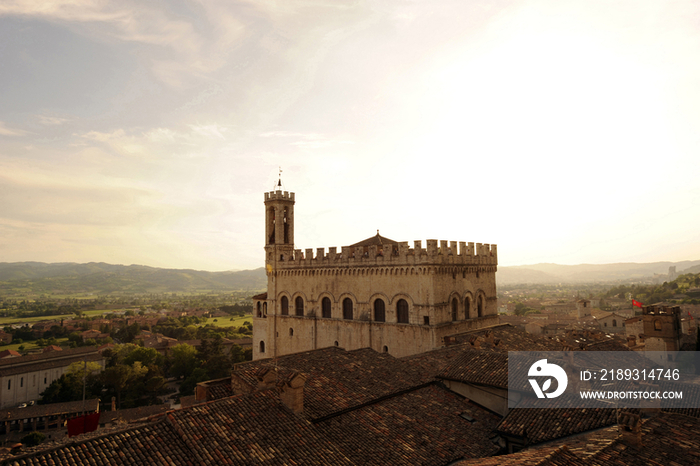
326 308
336 343
385 349
614 322
480 306
379 314
467 307
454 309
299 306
657 324
264 309
347 309
262 346
284 302
259 306
402 311
291 332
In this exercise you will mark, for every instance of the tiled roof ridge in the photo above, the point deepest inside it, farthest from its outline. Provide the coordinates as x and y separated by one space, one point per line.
71 442
186 440
376 400
287 356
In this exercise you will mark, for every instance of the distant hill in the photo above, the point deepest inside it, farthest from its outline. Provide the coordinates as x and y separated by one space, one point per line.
590 273
101 278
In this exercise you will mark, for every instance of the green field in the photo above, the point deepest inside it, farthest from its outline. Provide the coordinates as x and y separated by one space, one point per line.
24 320
28 345
227 322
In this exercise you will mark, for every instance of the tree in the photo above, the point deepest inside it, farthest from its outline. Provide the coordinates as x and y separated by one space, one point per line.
183 360
120 376
33 439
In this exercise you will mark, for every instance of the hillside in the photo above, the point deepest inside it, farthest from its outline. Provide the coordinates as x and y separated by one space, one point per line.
101 278
589 273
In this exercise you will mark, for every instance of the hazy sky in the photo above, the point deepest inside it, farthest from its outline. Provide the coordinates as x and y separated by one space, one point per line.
147 132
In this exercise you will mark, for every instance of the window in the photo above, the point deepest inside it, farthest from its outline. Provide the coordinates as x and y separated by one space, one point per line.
299 306
264 309
454 309
614 322
336 343
426 320
262 346
480 306
9 384
657 325
291 332
285 305
21 382
467 307
402 311
326 308
259 309
347 309
385 349
379 313
605 324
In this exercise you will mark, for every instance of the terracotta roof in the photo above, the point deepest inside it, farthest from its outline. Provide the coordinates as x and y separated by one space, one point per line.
552 456
152 444
252 429
420 427
667 439
53 409
337 379
479 367
508 338
539 425
377 240
260 296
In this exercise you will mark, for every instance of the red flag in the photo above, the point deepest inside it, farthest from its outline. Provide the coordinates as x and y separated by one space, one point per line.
636 303
691 317
82 424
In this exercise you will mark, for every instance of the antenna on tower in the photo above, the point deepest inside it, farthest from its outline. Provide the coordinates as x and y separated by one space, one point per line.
279 186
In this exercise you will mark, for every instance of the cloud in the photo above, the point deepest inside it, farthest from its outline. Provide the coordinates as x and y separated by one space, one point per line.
51 121
5 131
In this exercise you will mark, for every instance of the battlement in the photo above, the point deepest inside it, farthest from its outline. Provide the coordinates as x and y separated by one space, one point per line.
435 253
279 195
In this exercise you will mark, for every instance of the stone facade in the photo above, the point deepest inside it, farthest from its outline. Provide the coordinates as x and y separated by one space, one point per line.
377 293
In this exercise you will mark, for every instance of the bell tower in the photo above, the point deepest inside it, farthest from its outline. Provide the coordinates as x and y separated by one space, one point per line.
279 226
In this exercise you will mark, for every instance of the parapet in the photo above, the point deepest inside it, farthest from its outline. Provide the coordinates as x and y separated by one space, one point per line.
435 253
279 195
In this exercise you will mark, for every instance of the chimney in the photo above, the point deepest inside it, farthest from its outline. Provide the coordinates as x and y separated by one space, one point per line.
629 427
292 393
200 392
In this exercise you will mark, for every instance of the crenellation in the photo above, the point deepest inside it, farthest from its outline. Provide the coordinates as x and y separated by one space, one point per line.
448 252
431 247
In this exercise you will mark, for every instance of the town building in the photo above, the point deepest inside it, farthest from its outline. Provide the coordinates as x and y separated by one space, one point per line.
24 378
377 293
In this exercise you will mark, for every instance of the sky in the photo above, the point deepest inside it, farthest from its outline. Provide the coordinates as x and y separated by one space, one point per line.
148 132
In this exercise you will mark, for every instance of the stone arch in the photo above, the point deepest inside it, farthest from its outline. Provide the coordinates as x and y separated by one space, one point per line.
348 306
285 301
468 305
454 307
293 303
379 310
326 306
480 303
